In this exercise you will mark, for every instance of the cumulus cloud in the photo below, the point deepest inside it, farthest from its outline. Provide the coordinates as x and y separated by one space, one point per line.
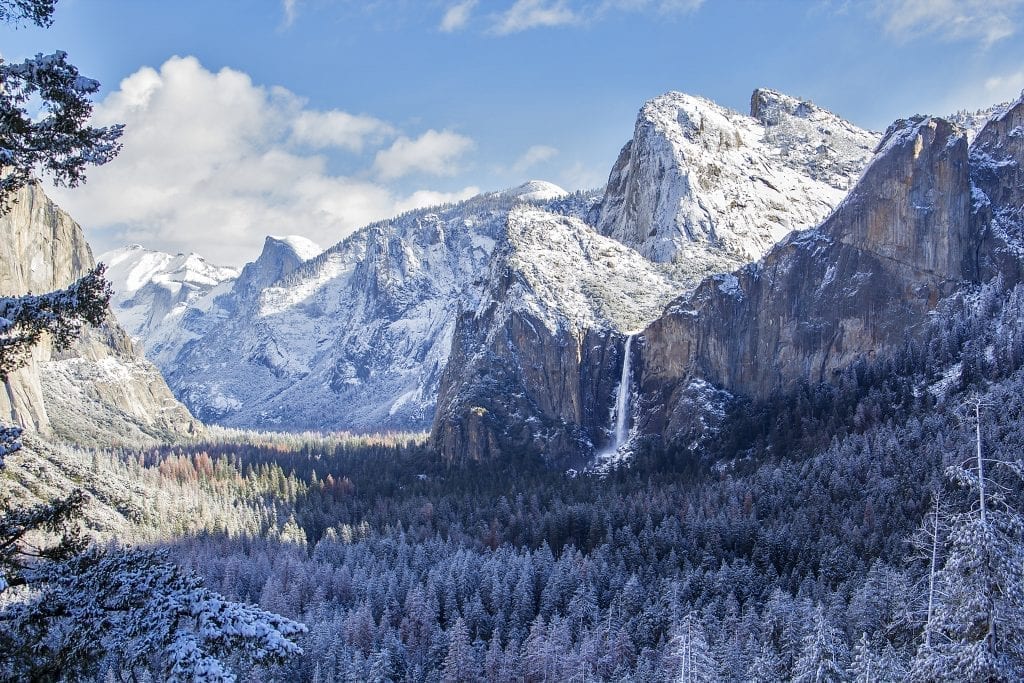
527 14
533 156
434 152
212 163
323 129
986 21
457 16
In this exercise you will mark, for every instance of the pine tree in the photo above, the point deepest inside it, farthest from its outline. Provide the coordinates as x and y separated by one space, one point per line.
694 662
460 665
976 628
767 666
820 660
44 108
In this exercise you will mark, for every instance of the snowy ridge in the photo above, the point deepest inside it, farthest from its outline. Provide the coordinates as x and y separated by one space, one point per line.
696 173
153 289
569 276
353 338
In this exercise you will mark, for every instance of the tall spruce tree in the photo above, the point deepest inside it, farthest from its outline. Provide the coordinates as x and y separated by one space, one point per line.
976 627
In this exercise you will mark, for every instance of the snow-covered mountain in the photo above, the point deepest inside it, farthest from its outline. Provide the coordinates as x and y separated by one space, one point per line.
355 338
152 289
698 176
358 336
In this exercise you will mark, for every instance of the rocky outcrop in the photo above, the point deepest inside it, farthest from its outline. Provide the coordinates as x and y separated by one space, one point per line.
534 369
907 236
355 338
101 390
697 176
997 177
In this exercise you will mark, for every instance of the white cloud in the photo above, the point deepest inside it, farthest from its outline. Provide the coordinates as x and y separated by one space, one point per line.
291 10
663 6
434 152
1005 87
533 156
527 14
457 16
323 129
986 21
210 165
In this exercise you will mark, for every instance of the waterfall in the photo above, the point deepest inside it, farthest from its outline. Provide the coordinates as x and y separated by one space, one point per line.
622 399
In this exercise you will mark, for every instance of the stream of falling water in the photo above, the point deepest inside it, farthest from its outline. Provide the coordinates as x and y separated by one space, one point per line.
622 400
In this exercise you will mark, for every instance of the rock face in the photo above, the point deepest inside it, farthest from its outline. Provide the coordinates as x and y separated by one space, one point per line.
100 391
997 176
534 367
355 338
697 176
908 235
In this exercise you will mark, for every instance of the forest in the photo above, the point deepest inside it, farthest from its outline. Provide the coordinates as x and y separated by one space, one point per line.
834 532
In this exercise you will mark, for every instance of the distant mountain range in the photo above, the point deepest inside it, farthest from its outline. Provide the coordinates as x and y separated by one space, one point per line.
357 337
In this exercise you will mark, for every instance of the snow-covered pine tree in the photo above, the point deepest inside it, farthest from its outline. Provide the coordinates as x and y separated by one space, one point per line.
691 654
822 656
135 609
460 666
53 138
976 627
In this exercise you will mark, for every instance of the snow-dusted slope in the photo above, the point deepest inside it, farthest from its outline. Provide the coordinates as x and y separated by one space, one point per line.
153 288
355 338
697 176
569 276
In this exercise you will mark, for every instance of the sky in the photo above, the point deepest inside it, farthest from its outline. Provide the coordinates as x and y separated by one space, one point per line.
316 117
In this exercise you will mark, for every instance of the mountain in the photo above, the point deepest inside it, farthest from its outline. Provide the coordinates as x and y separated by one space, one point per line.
355 338
538 365
528 362
153 289
102 390
696 175
931 217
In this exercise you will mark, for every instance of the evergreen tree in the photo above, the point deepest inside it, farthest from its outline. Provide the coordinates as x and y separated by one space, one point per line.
694 662
460 665
44 108
821 659
976 627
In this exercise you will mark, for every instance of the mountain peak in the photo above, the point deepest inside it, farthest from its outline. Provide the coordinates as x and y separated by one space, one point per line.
535 191
699 176
304 248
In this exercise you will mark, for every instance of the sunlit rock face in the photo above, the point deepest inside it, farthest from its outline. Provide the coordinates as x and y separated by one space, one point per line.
914 230
101 390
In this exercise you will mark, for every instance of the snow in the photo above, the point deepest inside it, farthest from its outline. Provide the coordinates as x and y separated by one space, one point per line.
572 276
699 174
535 191
305 248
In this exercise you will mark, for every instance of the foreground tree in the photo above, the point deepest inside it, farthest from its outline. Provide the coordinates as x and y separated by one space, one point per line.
54 138
975 630
69 611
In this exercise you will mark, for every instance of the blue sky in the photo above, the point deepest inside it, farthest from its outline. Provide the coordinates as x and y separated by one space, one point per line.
315 116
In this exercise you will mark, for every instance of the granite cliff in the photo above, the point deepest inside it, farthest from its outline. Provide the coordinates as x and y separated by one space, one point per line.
102 390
